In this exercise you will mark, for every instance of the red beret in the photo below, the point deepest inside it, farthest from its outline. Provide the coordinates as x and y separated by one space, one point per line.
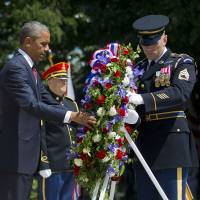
58 70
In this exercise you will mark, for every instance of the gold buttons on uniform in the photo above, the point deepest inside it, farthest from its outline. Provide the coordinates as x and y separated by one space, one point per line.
142 86
178 130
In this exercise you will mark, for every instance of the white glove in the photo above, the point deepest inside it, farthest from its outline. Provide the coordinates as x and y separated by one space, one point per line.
45 173
135 98
132 117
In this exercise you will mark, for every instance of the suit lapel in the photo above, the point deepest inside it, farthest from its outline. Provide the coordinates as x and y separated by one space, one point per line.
156 66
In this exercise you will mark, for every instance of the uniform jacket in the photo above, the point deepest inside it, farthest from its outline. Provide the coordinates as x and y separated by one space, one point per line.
164 138
57 140
23 104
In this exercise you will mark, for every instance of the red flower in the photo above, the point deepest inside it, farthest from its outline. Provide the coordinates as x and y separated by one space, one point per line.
121 112
84 156
108 85
100 99
117 74
120 141
87 106
104 130
125 52
103 68
125 100
85 129
95 83
128 128
119 155
101 154
114 59
76 170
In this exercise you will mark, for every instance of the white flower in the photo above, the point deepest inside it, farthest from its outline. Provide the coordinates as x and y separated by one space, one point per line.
106 79
100 112
112 111
96 138
111 134
126 81
86 151
105 159
108 65
85 179
78 162
128 61
117 137
129 71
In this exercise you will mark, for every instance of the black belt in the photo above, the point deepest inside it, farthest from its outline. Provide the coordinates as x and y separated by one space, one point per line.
165 115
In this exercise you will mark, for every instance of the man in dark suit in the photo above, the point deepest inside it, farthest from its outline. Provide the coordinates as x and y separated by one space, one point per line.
57 141
24 103
165 139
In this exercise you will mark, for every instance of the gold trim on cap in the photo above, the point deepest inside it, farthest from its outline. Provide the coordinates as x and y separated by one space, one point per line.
56 74
150 32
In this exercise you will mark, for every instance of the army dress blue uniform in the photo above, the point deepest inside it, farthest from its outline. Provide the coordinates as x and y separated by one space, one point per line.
164 139
56 140
61 184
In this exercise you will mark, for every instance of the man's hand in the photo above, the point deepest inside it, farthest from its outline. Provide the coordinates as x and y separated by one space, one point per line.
83 119
134 98
45 173
132 117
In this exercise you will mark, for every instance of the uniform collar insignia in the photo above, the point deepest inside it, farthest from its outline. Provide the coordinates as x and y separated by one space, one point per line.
161 62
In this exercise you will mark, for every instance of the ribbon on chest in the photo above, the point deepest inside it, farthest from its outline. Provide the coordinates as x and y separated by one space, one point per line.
163 77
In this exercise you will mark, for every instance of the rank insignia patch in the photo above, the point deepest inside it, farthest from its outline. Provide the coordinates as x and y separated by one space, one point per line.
184 75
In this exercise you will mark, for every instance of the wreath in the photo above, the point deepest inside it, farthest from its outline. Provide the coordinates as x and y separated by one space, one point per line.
104 150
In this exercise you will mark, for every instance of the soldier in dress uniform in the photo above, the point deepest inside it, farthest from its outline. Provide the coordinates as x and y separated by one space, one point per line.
165 139
56 142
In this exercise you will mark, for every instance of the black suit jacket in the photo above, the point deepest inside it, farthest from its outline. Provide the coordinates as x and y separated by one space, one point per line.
166 141
23 104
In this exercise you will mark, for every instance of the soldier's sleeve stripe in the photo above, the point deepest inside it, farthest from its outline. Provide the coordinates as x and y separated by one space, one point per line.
162 96
154 100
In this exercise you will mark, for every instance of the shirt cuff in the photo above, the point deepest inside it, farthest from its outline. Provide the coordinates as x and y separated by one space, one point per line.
67 117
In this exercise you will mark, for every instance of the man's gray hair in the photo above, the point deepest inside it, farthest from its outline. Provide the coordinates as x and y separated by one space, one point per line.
32 29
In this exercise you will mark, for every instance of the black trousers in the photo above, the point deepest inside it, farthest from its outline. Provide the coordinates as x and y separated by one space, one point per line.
15 186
